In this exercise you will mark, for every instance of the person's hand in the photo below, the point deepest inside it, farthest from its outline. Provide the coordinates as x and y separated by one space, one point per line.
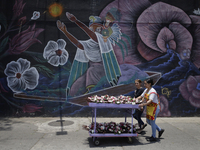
141 108
61 26
141 105
71 17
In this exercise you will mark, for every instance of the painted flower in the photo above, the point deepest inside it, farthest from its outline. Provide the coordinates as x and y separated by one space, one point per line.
164 30
55 52
128 11
172 29
196 12
164 104
36 15
31 108
196 36
20 76
18 7
23 40
190 90
21 21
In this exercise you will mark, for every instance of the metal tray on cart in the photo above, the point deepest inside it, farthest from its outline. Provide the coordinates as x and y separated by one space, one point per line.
111 105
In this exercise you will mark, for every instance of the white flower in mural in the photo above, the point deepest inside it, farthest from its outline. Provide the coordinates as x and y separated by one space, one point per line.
36 15
196 12
20 76
55 52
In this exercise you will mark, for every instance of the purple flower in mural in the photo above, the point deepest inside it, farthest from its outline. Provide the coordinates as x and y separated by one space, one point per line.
55 52
126 16
163 30
21 21
31 108
18 7
190 90
171 28
20 76
164 104
22 41
195 55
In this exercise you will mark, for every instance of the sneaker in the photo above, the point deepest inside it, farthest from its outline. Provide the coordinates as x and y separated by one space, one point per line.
143 126
152 139
160 133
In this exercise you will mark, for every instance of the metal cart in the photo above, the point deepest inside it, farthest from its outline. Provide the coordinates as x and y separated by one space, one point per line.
109 105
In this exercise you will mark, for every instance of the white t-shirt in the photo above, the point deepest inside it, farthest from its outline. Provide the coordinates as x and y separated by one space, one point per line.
152 96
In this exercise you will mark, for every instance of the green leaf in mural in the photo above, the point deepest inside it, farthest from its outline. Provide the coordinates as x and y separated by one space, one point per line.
44 70
3 20
39 59
36 56
3 44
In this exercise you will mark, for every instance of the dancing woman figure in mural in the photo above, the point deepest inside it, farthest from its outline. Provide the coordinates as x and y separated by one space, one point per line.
150 99
94 58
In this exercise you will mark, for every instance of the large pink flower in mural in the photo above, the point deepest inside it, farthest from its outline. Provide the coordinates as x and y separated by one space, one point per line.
163 26
126 14
190 90
160 26
164 104
195 31
20 76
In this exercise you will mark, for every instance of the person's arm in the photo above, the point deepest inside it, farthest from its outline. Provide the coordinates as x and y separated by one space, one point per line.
61 26
90 33
139 98
145 103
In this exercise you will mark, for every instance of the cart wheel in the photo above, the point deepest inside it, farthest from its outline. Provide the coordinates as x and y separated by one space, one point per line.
96 142
130 140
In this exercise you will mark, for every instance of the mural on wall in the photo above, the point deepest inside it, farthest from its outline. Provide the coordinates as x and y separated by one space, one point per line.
53 55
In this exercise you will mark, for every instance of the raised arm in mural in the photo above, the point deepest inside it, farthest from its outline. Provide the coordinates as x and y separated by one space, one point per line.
88 31
96 61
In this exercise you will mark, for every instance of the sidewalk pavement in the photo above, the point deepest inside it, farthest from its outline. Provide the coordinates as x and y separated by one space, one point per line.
42 133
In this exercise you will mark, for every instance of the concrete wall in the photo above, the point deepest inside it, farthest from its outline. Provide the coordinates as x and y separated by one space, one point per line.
49 68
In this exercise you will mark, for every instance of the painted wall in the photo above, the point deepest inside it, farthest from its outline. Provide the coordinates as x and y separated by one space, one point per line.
54 54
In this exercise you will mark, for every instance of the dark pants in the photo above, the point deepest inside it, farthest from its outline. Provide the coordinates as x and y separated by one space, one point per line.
137 115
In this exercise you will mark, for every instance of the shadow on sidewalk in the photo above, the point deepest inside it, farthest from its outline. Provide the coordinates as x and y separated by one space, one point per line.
115 141
119 141
6 124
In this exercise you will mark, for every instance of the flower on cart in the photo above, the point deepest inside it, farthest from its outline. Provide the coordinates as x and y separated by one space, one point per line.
112 99
111 127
